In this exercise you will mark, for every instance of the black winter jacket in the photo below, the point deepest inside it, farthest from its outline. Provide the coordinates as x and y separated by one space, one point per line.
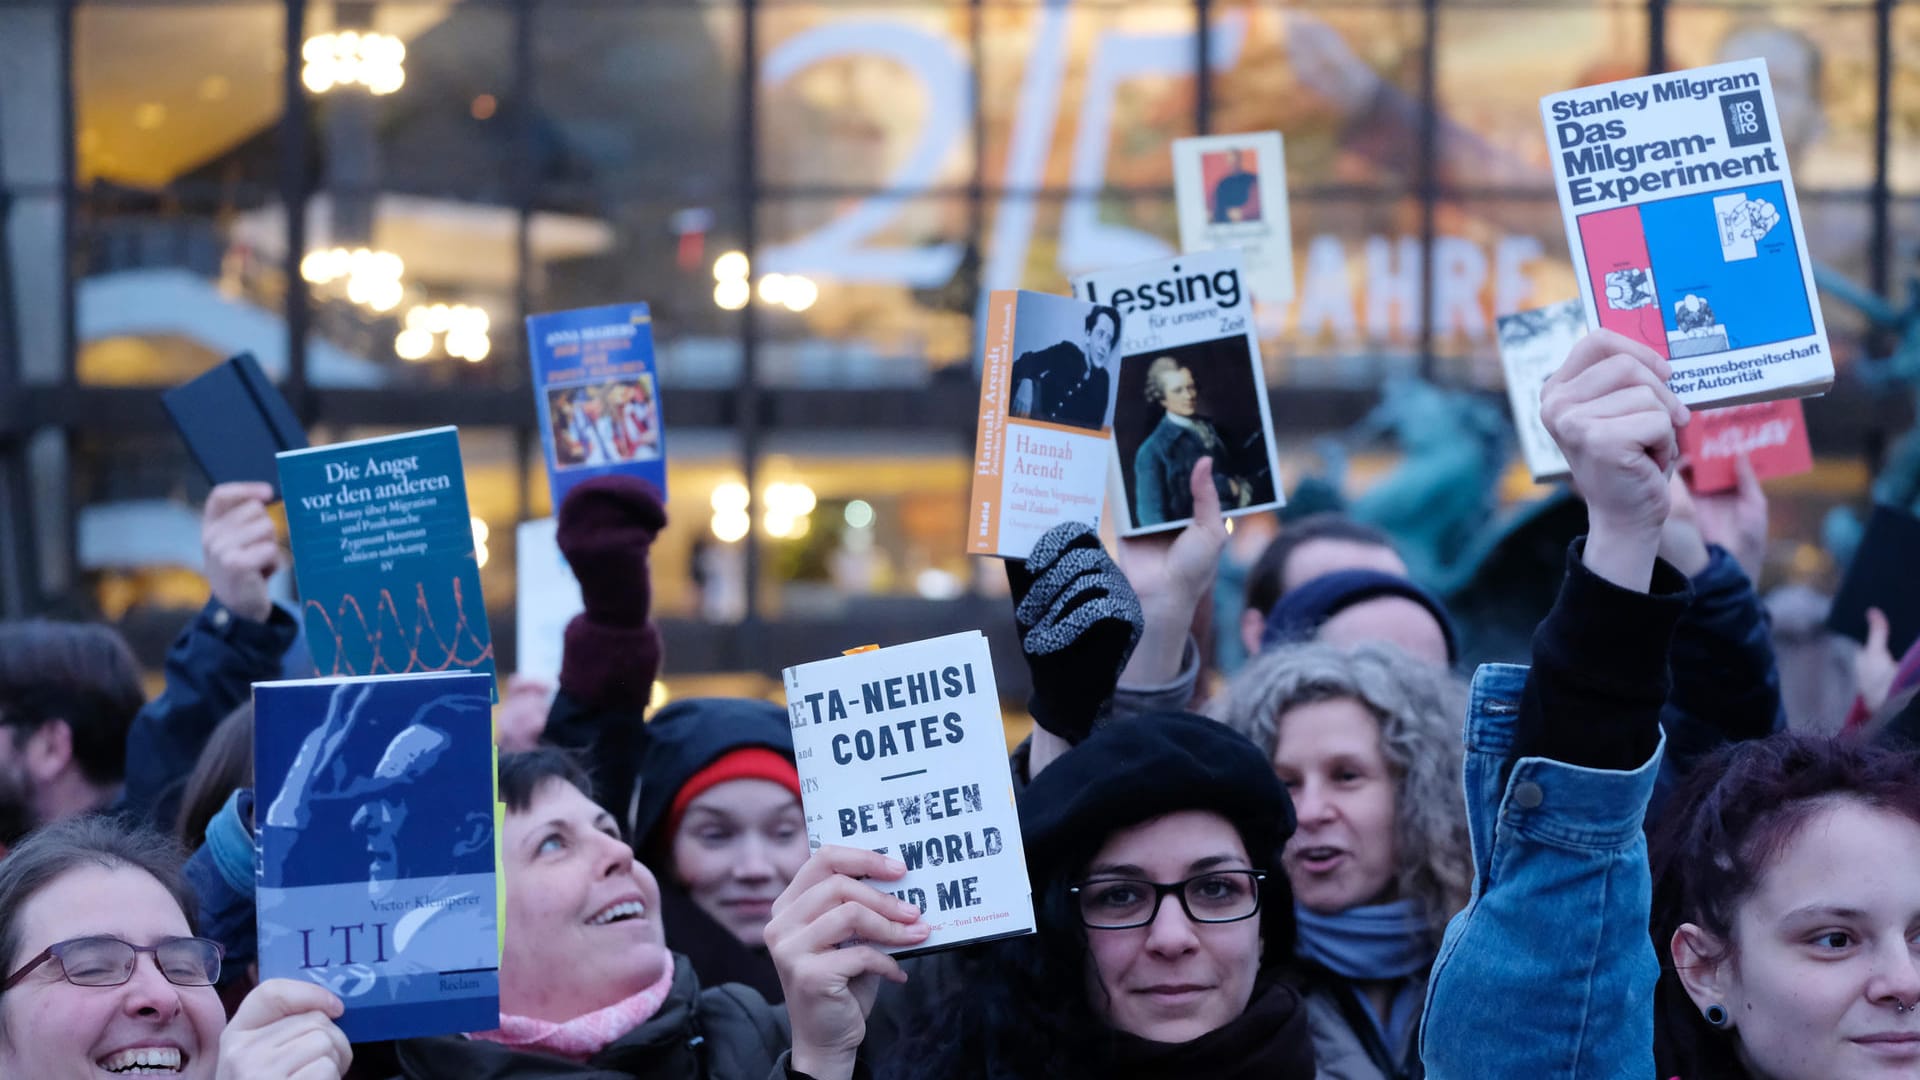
210 671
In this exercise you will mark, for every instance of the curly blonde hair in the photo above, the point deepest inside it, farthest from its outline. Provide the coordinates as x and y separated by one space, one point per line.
1420 710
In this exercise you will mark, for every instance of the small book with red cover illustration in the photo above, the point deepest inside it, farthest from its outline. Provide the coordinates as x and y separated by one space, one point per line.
1772 434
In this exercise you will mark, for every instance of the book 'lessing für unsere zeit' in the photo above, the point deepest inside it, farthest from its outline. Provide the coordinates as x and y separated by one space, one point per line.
383 550
1190 386
900 750
1685 233
377 826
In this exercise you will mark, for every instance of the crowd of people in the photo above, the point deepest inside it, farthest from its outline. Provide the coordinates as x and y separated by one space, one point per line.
1350 859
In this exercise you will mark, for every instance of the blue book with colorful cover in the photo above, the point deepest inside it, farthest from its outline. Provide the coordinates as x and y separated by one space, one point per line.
377 869
598 394
383 553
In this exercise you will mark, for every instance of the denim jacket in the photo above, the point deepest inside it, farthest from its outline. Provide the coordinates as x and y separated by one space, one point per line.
1548 973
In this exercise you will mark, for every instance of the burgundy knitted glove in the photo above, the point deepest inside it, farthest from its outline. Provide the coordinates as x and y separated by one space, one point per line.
606 530
607 526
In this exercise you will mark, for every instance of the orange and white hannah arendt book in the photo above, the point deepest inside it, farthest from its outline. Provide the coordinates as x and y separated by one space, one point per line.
1047 387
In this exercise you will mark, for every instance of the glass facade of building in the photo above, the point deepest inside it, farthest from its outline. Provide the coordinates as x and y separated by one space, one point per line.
183 181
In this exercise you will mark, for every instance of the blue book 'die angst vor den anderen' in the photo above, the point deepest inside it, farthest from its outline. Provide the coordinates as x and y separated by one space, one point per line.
375 808
384 556
599 400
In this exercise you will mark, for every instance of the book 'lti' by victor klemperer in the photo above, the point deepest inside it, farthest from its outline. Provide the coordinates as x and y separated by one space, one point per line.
378 864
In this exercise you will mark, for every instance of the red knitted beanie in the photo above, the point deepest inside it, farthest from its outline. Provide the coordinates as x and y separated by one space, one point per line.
747 763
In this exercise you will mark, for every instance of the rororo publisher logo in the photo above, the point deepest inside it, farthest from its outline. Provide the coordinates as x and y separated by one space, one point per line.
1746 118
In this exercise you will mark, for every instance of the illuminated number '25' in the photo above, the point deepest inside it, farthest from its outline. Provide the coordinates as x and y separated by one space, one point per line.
840 249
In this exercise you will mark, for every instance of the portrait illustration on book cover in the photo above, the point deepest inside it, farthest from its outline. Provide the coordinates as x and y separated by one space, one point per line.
1063 366
1232 179
377 837
1185 403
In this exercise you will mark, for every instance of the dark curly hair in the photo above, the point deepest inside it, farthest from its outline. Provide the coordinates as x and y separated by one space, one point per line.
1728 824
1104 311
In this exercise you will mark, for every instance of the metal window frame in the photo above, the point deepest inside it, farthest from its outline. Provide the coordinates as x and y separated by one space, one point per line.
748 410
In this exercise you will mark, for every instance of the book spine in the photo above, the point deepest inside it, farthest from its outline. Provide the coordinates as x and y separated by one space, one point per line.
264 396
983 525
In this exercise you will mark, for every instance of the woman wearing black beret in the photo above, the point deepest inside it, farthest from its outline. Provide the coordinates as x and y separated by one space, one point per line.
1161 918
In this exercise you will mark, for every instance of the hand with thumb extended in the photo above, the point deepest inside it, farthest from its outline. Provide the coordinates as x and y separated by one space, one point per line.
1079 621
606 530
826 938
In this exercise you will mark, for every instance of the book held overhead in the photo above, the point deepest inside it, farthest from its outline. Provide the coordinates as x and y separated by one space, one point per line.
384 555
1685 233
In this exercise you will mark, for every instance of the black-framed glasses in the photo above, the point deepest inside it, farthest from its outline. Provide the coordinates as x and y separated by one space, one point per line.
1217 896
108 961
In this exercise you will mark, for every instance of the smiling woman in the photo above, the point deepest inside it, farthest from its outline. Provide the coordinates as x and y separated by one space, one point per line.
586 979
719 814
102 973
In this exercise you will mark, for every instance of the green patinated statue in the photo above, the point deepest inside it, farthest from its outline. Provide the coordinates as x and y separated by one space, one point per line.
1899 481
1444 491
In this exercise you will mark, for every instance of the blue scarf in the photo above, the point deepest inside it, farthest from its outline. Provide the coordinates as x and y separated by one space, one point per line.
1374 943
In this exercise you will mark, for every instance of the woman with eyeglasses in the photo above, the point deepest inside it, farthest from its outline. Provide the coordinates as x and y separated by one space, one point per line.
1368 745
1162 929
103 973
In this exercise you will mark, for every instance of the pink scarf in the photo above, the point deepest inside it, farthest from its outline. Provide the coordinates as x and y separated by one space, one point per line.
583 1036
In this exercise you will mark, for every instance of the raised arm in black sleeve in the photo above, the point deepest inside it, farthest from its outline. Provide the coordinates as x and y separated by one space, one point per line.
1599 676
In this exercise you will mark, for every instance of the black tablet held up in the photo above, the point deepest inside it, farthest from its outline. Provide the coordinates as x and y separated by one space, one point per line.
234 421
1883 575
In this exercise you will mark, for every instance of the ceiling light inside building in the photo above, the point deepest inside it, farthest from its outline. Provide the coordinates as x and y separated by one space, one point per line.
800 293
730 498
789 500
732 294
773 288
370 60
730 526
413 344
